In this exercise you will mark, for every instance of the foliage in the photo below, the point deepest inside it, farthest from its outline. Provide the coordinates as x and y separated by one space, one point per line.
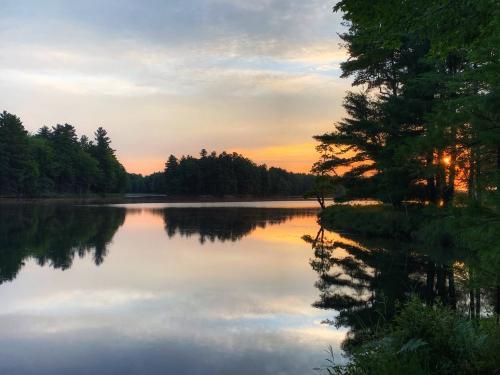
54 161
18 168
150 184
383 254
427 340
423 125
426 118
323 188
230 175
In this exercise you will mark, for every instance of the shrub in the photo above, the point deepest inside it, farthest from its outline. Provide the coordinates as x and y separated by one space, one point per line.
428 340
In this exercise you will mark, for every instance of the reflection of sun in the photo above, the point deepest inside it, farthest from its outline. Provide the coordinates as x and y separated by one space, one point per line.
283 234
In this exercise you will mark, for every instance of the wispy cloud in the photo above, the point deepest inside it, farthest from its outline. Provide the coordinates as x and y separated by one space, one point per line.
216 73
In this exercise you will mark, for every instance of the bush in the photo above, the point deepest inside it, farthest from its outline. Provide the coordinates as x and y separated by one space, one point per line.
428 340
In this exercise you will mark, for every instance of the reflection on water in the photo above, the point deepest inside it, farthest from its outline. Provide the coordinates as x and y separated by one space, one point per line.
225 224
53 235
215 289
152 289
364 279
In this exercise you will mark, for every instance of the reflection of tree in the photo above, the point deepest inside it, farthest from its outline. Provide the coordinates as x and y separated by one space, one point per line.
363 280
53 235
224 224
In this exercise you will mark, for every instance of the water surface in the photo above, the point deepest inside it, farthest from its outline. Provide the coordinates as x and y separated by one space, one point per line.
161 289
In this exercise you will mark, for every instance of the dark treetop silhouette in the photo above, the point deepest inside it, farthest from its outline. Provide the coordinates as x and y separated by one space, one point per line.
421 134
55 162
224 174
426 116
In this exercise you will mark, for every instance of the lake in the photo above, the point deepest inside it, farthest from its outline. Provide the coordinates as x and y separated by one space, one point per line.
214 288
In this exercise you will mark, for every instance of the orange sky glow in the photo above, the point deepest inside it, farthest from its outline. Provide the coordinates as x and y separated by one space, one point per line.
259 83
294 157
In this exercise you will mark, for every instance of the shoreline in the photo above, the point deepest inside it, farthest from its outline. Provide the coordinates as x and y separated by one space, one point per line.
142 198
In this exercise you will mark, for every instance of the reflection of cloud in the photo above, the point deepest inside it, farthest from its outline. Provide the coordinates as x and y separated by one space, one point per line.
263 308
78 300
108 352
319 332
169 302
212 319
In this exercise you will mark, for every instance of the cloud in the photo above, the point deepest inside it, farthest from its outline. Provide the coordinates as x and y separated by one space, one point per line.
76 83
215 73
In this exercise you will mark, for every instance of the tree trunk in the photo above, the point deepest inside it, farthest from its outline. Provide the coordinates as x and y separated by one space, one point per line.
431 184
478 303
440 179
451 289
497 307
471 303
452 171
498 170
470 180
441 284
321 201
429 290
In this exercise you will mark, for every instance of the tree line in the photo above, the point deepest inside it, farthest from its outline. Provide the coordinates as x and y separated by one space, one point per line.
425 118
56 161
224 174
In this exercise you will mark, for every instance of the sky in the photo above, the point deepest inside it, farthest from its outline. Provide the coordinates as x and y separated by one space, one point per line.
258 77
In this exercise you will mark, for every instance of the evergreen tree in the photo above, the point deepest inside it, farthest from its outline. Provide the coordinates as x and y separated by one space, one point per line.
427 119
55 161
112 176
17 168
230 175
172 176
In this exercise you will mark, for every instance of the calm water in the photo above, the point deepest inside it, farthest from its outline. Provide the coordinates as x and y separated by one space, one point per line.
161 289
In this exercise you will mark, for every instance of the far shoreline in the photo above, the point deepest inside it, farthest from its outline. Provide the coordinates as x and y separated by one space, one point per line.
144 198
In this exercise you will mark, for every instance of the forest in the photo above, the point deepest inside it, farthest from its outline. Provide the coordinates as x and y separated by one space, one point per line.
224 174
55 161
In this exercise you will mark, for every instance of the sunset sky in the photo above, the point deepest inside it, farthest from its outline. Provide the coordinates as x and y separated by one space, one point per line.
167 77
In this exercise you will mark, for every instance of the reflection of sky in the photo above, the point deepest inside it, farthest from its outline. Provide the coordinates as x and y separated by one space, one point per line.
160 305
259 76
303 203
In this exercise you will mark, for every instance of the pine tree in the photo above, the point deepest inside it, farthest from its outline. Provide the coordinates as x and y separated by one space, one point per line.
18 172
